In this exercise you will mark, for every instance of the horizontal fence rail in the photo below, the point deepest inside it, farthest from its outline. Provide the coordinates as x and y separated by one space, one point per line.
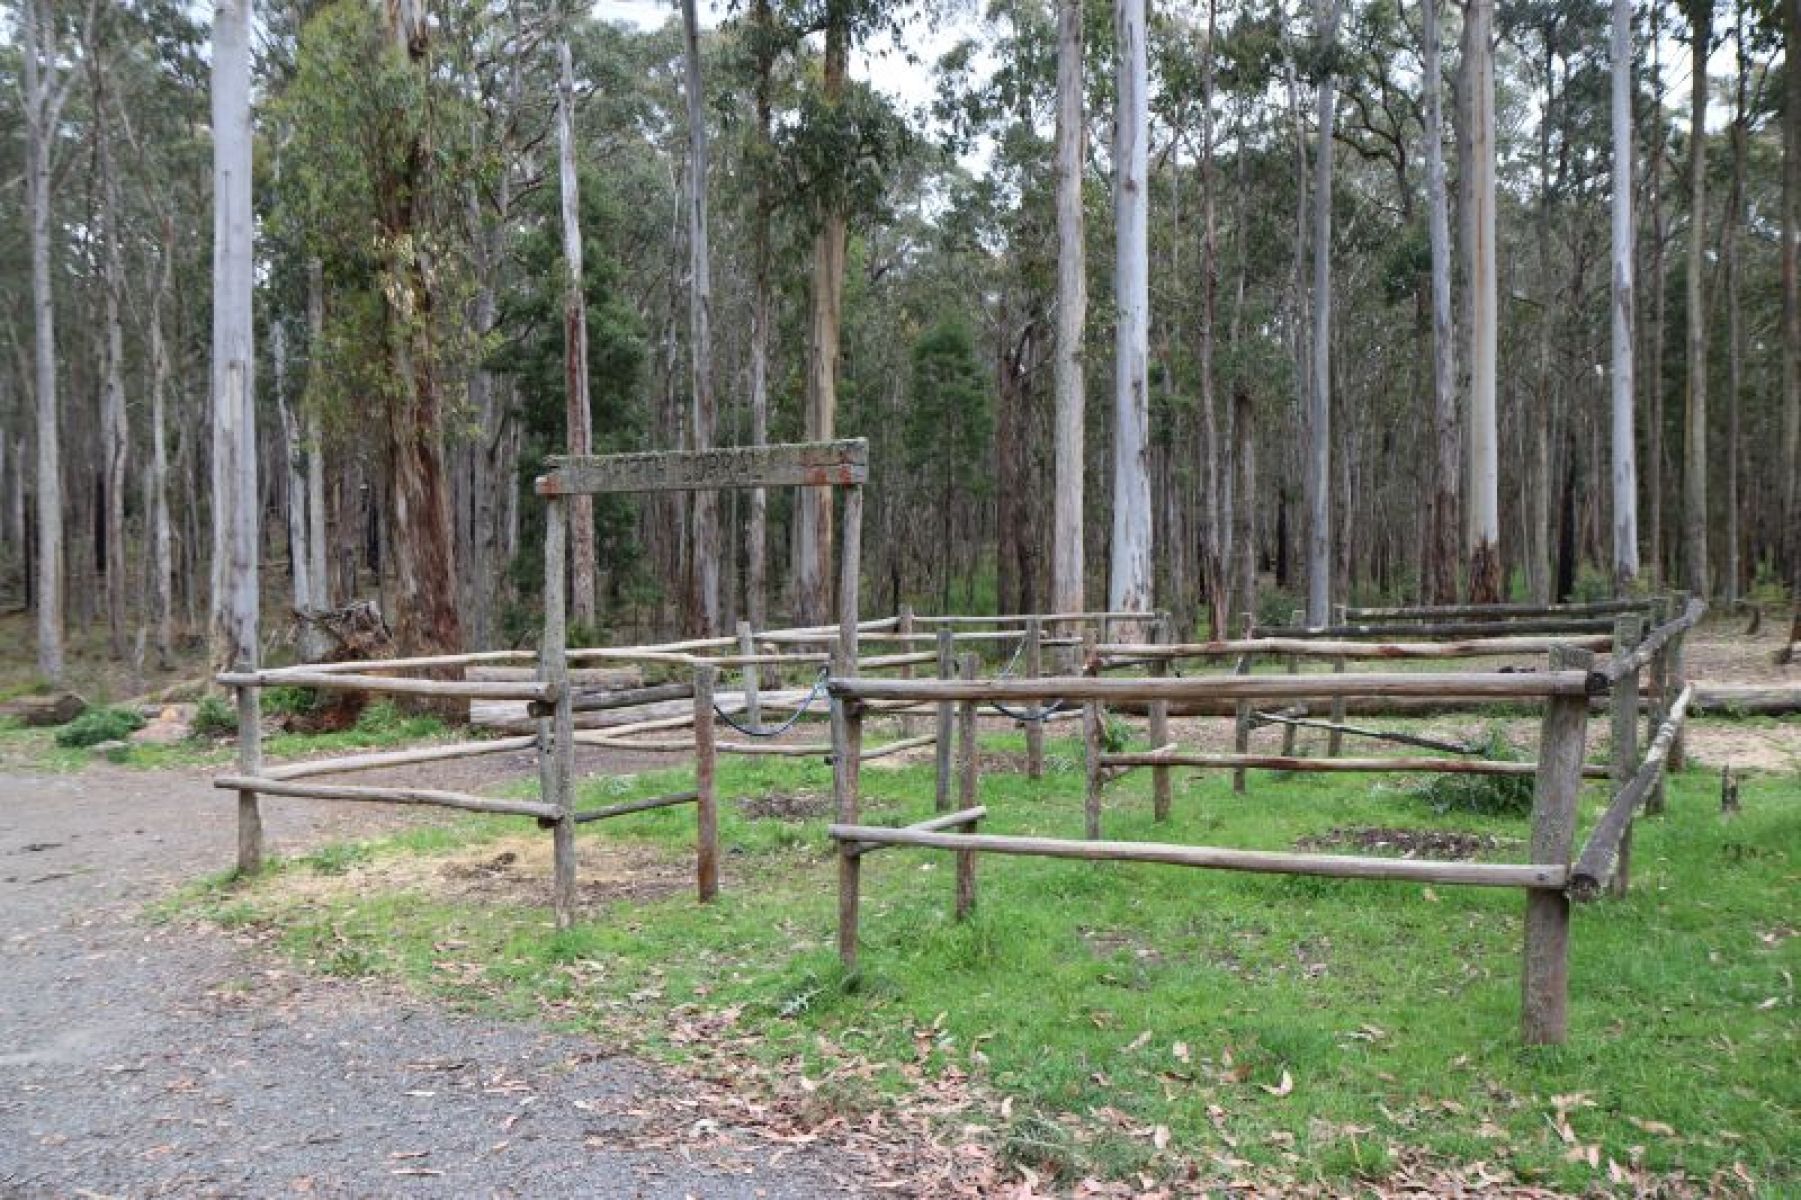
1500 684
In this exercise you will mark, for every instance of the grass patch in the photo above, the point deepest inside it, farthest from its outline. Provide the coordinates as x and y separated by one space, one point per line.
1305 1026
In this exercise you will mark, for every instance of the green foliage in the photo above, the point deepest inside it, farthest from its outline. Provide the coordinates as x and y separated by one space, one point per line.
213 718
290 701
1488 795
98 725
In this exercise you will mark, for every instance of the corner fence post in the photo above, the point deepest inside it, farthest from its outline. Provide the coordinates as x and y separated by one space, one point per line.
250 762
1545 976
967 767
1034 668
556 733
1159 714
1660 700
1241 733
1628 629
946 724
1678 679
706 810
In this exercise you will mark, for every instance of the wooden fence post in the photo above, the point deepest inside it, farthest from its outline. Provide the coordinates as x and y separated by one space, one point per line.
904 627
556 733
966 878
1335 739
706 809
753 700
847 752
1241 736
1159 723
1660 700
1091 757
1034 667
1628 629
967 766
1678 678
250 762
1297 617
1545 977
946 723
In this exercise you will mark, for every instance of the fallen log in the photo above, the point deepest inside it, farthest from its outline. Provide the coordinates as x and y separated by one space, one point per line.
1747 699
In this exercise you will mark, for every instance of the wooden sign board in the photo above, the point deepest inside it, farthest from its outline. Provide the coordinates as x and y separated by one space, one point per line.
803 464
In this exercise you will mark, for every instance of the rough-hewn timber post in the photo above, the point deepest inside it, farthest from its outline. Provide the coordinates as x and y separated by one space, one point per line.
850 574
1678 677
966 878
250 762
753 700
1545 979
904 627
706 805
1335 739
1091 758
967 766
556 733
946 722
1660 700
1034 667
847 725
1241 733
1159 721
1297 617
1627 631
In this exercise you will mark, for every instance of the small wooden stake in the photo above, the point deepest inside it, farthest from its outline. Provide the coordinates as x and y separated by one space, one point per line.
1297 617
967 766
966 878
1545 979
1159 723
1241 736
1091 744
1628 628
706 810
1034 668
946 723
250 762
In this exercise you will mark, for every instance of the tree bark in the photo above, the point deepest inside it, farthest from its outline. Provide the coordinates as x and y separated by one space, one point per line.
1625 458
115 431
45 90
1694 450
313 641
1067 572
1729 271
1317 430
1441 573
704 581
1791 301
235 498
756 550
162 568
1484 499
1215 539
1130 574
1654 389
578 412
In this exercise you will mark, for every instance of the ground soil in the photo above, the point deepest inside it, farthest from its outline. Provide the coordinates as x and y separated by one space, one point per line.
141 1060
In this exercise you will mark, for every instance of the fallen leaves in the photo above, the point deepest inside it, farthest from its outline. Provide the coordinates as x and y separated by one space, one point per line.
1280 1089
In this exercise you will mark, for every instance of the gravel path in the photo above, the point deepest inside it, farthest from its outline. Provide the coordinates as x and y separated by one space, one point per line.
140 1060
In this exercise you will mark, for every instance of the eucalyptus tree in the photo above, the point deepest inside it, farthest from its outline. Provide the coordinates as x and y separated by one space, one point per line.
578 409
703 597
1441 556
1067 566
1484 504
1625 459
1317 428
1694 447
1130 572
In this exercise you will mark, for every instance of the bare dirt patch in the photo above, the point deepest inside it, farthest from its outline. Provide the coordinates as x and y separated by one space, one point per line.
1451 844
512 870
786 806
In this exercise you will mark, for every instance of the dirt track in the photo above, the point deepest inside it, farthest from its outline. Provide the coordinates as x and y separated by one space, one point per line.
141 1060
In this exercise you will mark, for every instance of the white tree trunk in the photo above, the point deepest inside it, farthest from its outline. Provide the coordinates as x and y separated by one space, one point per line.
1484 498
1129 587
1625 458
234 498
1067 566
45 89
704 603
579 413
1447 473
756 548
1317 480
300 562
315 461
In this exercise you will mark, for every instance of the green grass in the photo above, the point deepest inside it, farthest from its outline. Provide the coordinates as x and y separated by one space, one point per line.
1178 998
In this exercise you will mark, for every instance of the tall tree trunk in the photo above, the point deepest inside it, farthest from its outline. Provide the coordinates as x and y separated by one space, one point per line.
115 432
1654 385
1441 575
1538 425
234 482
1729 271
1625 458
1317 479
45 90
300 561
1067 570
813 523
1215 541
1244 467
704 588
1694 449
1790 463
756 549
579 414
1130 576
162 569
312 644
1484 499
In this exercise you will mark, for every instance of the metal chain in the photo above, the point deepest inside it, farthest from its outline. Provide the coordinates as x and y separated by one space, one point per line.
769 731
